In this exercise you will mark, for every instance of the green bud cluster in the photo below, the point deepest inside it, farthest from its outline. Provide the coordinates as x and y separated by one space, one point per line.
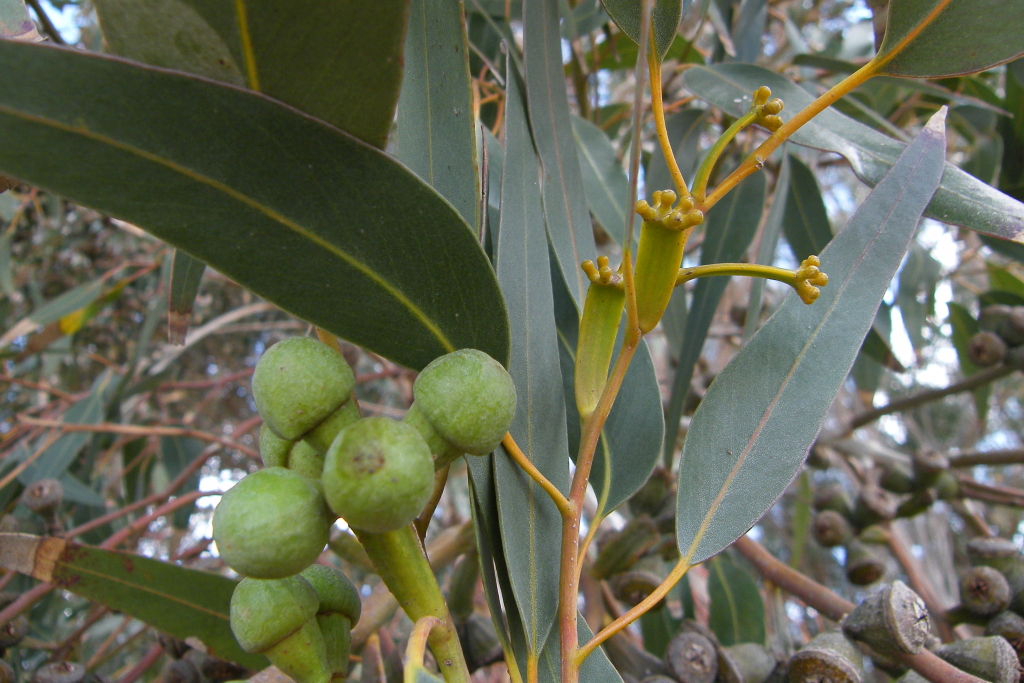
323 462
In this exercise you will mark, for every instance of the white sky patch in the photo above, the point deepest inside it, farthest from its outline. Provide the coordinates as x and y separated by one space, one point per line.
65 21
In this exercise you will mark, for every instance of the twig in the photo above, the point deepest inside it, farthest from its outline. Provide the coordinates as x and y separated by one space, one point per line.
39 386
967 384
44 20
147 661
1012 456
988 493
834 607
28 461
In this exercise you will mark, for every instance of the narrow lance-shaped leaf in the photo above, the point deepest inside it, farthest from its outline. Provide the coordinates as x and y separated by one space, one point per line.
751 432
186 276
925 38
769 241
436 130
565 201
960 200
531 527
184 603
736 610
604 179
729 229
665 15
326 227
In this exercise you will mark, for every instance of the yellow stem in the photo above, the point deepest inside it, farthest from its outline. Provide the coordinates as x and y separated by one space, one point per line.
632 615
757 158
658 108
742 269
417 647
700 180
514 452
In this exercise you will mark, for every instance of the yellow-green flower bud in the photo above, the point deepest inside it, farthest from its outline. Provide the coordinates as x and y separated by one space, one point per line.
595 345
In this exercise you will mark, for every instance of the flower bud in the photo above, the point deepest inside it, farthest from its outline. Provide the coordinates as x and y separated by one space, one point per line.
599 325
464 402
378 474
990 657
892 621
691 658
986 349
299 383
828 657
338 612
272 524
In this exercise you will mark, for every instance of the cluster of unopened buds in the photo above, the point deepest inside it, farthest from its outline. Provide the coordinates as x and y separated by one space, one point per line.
808 278
767 109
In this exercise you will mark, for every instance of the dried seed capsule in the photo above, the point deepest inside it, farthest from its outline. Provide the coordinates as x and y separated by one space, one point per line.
691 658
831 529
179 671
629 659
1015 358
378 474
338 612
43 497
993 318
984 591
14 631
918 502
832 496
1009 625
634 586
893 620
1012 331
897 477
991 658
986 349
619 551
59 672
745 663
299 383
828 657
651 499
274 523
480 642
947 486
277 618
863 565
464 403
1004 556
874 505
929 464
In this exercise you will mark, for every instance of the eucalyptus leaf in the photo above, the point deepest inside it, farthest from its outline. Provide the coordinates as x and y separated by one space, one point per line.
665 16
961 199
751 432
736 610
964 327
685 127
531 526
595 669
768 243
604 179
326 227
186 276
925 38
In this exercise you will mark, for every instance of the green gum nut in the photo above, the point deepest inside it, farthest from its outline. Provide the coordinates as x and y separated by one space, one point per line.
339 610
277 618
273 449
378 475
320 437
272 524
464 402
299 383
297 456
660 253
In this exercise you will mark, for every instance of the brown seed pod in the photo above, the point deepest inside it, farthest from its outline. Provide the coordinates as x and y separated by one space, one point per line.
1009 625
43 497
928 465
991 658
691 658
59 672
986 349
893 620
984 591
745 663
633 587
829 658
831 529
874 505
620 550
832 496
863 565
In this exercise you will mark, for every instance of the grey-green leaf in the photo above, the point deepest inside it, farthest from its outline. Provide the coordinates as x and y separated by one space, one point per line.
961 199
665 16
531 527
934 38
604 179
327 227
751 432
736 611
685 128
186 275
436 130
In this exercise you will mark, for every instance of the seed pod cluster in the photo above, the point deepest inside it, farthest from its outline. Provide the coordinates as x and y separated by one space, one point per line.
1000 339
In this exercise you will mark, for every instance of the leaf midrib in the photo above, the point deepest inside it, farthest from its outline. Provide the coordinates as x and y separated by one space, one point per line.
249 202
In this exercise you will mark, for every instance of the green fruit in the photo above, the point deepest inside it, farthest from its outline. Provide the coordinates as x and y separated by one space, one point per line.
272 524
305 460
378 474
273 449
339 610
299 383
277 617
468 398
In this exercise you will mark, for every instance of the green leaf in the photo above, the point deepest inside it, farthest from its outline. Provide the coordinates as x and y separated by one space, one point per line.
186 275
768 243
604 179
304 215
177 453
806 224
916 296
658 625
665 16
964 327
961 199
565 201
531 527
925 38
595 669
685 127
436 130
728 229
184 603
751 432
630 444
339 62
748 31
53 310
736 611
1003 280
15 21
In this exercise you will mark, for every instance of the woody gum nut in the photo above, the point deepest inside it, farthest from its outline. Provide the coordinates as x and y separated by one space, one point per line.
893 620
378 474
986 349
1002 555
298 383
277 618
863 565
339 610
468 398
984 591
691 658
745 663
831 529
991 658
832 496
828 657
620 550
272 524
1009 625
